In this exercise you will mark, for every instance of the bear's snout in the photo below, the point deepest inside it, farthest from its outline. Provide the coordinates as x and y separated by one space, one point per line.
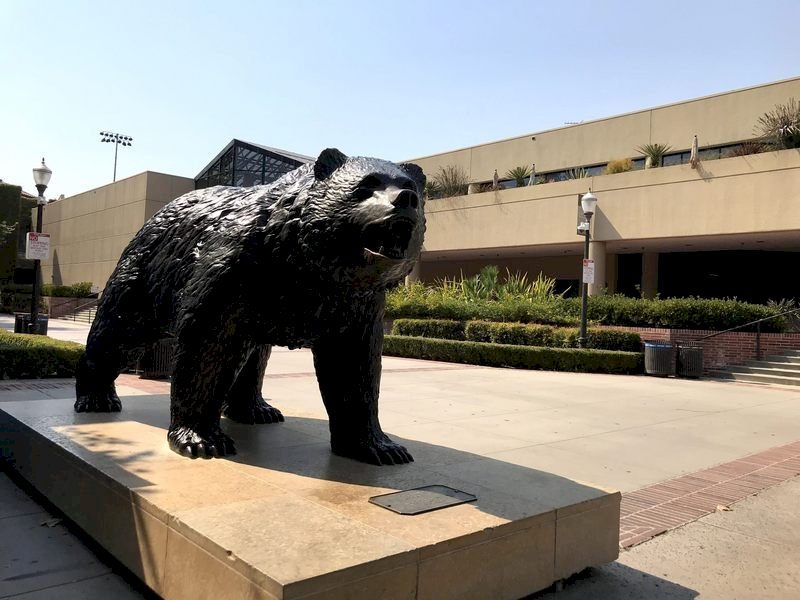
405 199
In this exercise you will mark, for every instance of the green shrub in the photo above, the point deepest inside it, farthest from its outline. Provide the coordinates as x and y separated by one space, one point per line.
30 356
517 334
521 357
676 313
618 166
431 328
420 302
76 290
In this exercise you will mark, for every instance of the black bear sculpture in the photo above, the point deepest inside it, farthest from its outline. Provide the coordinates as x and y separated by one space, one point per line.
229 272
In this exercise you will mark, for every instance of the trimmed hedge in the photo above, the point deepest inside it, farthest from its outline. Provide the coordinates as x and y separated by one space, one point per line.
24 356
519 357
443 329
76 290
517 334
673 313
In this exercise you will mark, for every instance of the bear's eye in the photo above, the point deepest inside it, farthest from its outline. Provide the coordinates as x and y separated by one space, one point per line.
366 188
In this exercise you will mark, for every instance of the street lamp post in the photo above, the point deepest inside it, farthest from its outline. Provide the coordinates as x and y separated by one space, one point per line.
117 138
41 177
588 205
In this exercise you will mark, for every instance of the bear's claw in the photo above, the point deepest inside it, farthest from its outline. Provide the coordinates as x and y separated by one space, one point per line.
259 414
102 402
382 451
188 442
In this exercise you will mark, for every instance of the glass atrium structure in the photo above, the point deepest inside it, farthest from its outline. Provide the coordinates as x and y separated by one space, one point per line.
245 164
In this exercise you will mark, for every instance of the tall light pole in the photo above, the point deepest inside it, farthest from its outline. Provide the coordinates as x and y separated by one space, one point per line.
41 177
117 138
588 205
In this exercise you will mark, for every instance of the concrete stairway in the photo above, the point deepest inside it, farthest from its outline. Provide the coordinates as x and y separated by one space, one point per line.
83 316
783 369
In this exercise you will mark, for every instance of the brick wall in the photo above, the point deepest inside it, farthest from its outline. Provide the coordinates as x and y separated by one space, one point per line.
730 348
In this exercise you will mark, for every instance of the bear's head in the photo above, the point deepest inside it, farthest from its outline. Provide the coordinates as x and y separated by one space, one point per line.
366 216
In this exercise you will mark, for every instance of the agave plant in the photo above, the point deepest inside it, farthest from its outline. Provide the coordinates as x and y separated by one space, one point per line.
780 127
516 285
519 175
654 153
432 190
576 173
451 180
543 288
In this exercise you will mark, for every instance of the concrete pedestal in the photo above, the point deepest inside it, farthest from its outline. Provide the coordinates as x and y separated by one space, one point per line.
287 519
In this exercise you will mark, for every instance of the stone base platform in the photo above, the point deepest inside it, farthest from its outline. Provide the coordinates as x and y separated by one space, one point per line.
285 519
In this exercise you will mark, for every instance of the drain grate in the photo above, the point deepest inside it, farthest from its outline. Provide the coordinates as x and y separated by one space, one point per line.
422 499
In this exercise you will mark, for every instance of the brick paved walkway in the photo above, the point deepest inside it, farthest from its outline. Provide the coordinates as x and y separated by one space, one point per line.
655 509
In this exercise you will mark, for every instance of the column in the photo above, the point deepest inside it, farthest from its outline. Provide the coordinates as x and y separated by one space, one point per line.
597 252
649 274
415 273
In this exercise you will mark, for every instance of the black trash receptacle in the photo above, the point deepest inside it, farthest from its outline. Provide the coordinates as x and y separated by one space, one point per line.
659 359
22 323
690 360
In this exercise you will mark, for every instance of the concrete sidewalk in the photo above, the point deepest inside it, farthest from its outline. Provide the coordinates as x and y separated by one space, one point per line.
613 431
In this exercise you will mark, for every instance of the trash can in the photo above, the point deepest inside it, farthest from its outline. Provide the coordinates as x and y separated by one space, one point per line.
690 360
22 323
659 359
159 361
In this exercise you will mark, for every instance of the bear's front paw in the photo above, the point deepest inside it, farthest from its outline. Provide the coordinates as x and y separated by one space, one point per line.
376 451
259 413
98 402
190 442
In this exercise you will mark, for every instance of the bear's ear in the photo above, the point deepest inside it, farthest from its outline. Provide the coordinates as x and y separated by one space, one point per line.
328 161
415 173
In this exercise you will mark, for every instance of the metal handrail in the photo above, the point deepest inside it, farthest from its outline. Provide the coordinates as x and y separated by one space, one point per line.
79 308
757 323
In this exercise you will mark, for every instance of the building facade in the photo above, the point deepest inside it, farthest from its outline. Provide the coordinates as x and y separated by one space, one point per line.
726 226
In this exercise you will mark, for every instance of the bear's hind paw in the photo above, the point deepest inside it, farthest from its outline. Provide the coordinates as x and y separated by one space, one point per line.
188 442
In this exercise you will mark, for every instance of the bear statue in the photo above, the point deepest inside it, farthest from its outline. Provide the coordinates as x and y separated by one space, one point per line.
229 272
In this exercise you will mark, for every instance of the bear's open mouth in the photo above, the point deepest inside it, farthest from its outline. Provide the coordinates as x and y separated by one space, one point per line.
389 239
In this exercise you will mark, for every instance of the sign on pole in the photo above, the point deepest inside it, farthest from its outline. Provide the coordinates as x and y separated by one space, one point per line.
37 246
588 270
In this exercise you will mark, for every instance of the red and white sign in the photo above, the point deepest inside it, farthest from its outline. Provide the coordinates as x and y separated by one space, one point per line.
37 246
588 270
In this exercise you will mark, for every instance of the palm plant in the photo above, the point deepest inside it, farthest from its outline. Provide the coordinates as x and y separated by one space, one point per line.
654 153
519 175
780 127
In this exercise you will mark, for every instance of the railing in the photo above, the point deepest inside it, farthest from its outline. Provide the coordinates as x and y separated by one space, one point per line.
757 323
79 308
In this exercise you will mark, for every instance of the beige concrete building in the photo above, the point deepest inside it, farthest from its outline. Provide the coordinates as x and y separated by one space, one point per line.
727 226
89 231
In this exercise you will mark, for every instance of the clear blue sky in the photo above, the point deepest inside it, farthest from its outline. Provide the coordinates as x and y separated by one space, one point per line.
379 78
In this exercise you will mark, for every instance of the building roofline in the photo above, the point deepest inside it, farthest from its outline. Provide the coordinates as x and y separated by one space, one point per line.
301 158
617 116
